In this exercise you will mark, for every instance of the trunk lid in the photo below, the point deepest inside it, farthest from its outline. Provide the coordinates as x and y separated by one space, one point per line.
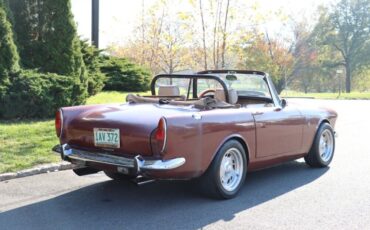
135 122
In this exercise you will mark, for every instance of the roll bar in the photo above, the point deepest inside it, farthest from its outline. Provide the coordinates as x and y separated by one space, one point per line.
195 77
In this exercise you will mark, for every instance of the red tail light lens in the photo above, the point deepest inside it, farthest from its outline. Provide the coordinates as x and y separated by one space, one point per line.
161 134
58 122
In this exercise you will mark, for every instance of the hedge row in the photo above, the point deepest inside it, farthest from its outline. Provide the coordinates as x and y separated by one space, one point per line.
123 75
33 94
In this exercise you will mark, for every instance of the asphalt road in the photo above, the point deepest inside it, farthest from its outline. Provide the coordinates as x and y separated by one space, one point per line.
289 196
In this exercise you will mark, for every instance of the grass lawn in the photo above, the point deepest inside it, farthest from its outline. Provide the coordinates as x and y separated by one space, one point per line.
352 95
27 143
110 97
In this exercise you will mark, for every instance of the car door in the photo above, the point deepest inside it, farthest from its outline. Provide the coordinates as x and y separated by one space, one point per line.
279 131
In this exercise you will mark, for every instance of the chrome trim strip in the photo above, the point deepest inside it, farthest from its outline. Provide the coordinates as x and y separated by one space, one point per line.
138 162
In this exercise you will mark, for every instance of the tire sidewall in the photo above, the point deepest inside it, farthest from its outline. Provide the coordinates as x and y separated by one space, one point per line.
322 128
218 160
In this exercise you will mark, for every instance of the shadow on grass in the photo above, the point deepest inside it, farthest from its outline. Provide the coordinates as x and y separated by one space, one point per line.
160 205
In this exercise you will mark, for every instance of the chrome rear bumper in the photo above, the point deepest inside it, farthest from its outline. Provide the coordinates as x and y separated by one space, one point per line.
137 163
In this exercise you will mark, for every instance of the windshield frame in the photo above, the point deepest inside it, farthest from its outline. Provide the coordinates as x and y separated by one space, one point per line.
265 76
212 74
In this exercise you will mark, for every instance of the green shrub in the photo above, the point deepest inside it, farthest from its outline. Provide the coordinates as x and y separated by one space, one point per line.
36 95
123 75
93 59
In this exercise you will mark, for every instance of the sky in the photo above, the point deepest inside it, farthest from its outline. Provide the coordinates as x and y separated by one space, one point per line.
118 17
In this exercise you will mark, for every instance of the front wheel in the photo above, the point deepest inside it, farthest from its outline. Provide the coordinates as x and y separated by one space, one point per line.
322 150
226 174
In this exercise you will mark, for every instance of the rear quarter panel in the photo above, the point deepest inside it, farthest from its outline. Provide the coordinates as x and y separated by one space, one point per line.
198 140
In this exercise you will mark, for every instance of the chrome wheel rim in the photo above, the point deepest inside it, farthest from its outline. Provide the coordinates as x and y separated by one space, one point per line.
326 145
231 169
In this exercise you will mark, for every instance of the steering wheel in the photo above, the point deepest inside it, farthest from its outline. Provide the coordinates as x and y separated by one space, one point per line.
207 91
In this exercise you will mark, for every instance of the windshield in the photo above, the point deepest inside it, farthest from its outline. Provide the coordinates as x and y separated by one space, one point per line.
188 87
246 84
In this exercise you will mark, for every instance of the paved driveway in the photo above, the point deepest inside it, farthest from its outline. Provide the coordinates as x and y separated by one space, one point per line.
289 196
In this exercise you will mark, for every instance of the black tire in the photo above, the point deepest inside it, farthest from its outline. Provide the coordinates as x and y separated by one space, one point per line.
315 158
85 171
210 181
119 176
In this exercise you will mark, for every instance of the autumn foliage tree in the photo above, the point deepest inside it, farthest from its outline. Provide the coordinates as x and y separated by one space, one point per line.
346 29
270 56
222 34
168 39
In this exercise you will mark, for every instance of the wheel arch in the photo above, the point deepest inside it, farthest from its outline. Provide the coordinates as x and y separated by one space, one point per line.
238 138
321 121
319 124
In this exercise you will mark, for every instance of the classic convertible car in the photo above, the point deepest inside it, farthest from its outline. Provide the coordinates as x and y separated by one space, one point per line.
214 126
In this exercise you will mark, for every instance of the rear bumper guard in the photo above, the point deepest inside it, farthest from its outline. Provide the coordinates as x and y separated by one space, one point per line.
138 163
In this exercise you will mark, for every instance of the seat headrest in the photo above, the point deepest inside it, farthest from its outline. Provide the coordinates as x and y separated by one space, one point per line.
168 90
233 95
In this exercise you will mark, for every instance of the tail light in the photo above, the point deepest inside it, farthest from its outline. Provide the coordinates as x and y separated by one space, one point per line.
160 134
58 122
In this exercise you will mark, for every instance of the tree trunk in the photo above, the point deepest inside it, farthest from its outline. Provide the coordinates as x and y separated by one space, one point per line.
142 61
216 28
305 89
280 86
203 36
348 78
224 33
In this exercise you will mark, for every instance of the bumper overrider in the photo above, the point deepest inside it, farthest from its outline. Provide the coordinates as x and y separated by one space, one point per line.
137 163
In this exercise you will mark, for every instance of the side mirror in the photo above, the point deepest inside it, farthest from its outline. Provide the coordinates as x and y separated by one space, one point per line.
284 103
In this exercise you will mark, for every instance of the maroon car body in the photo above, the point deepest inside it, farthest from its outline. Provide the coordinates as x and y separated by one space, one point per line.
270 130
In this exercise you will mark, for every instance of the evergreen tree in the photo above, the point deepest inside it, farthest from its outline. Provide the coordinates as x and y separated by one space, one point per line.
9 59
7 10
46 35
62 52
93 60
47 39
26 15
61 46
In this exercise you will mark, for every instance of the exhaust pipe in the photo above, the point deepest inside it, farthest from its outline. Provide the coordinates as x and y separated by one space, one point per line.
140 180
85 171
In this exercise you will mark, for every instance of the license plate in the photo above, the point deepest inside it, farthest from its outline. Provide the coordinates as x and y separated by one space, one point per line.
106 137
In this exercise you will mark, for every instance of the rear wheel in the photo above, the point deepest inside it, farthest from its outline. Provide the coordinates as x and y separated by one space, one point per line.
322 150
226 174
85 171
